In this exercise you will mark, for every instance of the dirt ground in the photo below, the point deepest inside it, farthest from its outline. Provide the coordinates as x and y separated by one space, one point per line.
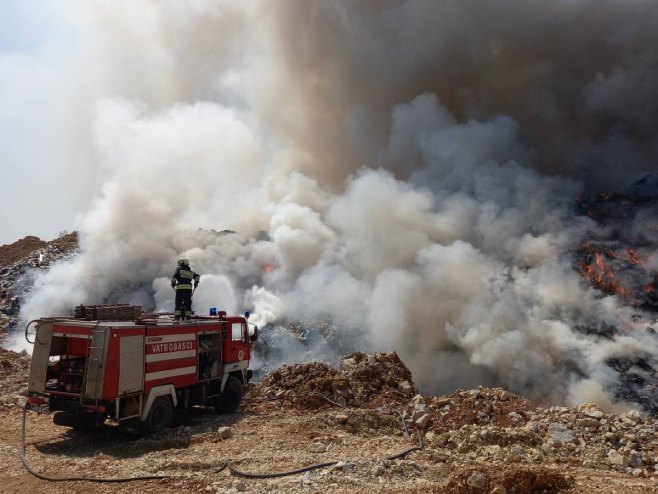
476 441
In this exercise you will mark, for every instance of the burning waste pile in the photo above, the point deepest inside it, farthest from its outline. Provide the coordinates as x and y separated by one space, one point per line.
621 258
20 263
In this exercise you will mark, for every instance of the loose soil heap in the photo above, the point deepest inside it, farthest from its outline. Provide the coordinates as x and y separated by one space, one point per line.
360 381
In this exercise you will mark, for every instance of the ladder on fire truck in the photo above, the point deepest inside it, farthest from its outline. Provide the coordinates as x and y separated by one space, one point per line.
93 377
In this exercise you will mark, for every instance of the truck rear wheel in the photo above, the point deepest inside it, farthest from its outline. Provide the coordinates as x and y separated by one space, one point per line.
159 416
229 400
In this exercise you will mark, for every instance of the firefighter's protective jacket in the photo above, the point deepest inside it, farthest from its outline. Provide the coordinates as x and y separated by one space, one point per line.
183 278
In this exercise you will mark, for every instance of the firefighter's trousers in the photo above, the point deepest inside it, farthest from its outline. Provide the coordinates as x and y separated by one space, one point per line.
183 309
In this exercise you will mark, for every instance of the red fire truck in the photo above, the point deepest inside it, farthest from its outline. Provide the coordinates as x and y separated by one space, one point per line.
89 369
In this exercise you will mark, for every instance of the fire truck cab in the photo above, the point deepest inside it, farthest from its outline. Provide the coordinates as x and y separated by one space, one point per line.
139 370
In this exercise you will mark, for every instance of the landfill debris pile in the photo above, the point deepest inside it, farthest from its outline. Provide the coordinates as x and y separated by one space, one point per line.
18 264
361 380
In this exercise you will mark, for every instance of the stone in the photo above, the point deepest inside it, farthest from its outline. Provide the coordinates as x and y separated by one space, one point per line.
423 421
532 426
419 412
617 459
417 400
515 417
560 433
635 459
239 486
499 489
588 422
225 432
518 450
317 448
378 471
633 415
347 364
405 386
306 479
477 480
342 418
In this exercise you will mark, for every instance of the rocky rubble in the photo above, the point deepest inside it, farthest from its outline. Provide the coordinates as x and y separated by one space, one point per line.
480 441
480 432
499 428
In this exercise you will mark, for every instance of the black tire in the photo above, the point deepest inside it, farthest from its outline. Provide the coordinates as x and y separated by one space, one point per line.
159 416
229 400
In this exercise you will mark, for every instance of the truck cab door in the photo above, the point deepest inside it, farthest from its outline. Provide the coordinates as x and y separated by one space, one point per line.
238 337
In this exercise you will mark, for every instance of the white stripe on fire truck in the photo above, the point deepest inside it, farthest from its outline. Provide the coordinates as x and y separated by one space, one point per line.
167 338
181 371
157 357
73 335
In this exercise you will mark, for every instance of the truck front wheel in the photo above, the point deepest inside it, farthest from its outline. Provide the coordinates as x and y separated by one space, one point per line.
230 398
159 416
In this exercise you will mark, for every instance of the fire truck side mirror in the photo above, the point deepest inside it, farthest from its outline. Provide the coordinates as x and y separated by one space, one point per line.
254 336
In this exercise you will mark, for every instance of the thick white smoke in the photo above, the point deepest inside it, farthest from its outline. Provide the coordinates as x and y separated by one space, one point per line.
406 169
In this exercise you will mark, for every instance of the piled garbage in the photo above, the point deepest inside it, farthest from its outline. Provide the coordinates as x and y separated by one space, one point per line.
19 262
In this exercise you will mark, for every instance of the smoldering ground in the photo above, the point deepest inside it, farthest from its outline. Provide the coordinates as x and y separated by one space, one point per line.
414 166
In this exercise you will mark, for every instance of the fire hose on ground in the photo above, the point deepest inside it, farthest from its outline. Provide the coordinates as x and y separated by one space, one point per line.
72 479
226 465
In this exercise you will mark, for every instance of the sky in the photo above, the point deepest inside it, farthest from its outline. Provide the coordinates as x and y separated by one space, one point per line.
42 141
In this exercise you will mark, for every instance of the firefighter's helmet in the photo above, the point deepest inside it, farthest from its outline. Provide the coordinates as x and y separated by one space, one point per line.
183 262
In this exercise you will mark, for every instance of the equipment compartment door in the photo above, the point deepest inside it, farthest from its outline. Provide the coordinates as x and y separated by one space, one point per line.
131 369
210 356
40 356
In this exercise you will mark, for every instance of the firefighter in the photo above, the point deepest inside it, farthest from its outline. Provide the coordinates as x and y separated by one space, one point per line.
184 281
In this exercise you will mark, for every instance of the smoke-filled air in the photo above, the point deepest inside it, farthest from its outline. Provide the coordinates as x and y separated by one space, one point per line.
408 170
